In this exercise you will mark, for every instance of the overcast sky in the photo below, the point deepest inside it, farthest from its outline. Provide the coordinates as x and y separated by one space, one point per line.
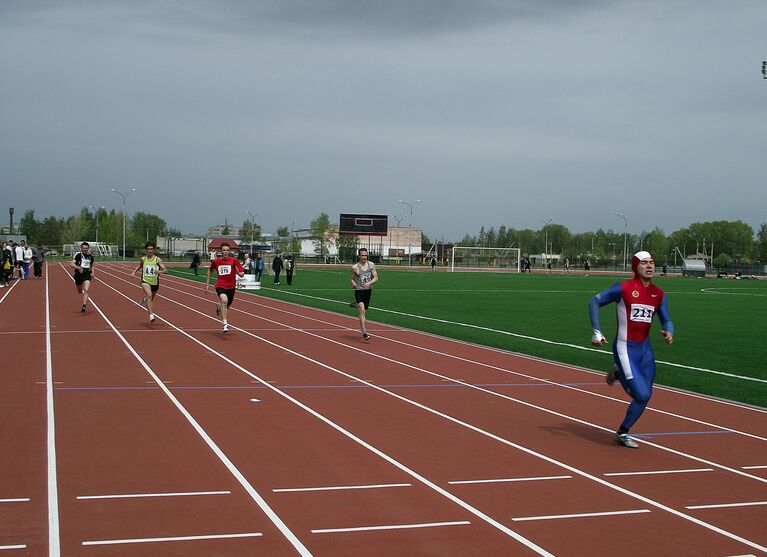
489 111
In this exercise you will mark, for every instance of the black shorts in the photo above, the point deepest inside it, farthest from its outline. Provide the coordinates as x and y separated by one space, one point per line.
153 287
82 277
229 295
363 296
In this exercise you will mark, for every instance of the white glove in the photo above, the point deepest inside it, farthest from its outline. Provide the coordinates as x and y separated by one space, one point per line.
597 338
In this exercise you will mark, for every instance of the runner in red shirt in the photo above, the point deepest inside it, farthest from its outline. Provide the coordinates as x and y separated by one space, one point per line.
225 266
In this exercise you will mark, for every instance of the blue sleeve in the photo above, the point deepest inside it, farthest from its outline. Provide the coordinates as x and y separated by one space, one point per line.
665 317
612 294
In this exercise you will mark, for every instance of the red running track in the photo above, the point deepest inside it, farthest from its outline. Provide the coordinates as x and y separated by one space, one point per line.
292 436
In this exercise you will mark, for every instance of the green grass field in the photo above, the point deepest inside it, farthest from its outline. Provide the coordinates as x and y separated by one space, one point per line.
720 324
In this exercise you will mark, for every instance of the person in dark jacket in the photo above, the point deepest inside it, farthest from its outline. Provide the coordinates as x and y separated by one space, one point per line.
277 267
290 266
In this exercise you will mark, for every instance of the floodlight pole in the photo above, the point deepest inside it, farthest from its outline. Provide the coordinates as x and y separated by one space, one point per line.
123 195
252 228
620 214
411 205
546 223
97 220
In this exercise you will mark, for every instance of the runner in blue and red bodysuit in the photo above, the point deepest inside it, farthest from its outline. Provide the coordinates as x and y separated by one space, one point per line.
636 300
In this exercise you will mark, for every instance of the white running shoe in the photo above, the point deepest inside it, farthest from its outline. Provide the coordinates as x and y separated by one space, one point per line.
226 328
625 440
151 317
218 308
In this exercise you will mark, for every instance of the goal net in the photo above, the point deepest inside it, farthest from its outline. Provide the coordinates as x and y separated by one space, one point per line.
476 257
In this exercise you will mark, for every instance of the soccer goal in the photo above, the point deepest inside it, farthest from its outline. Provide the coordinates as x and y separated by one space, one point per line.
476 257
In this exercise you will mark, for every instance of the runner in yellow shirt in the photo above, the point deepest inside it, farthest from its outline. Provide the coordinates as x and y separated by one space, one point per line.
150 268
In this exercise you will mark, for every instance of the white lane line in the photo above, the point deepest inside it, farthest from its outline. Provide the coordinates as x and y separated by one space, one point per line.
726 505
137 495
579 515
54 544
469 426
16 500
754 467
20 546
339 487
175 539
390 527
260 501
659 472
499 480
460 502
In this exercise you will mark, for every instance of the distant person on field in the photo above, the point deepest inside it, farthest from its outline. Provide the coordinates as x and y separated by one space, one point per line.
277 267
150 266
18 252
38 258
83 266
195 264
587 267
637 300
6 264
433 263
258 266
364 276
567 265
247 264
290 267
226 268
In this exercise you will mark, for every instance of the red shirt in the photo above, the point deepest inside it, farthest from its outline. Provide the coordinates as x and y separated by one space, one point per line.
636 308
227 270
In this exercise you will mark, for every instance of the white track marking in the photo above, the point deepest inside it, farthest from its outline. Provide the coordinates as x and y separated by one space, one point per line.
276 520
501 480
754 467
175 539
139 495
727 505
16 500
54 543
532 358
20 546
390 527
579 515
659 472
503 528
7 292
456 421
528 337
336 488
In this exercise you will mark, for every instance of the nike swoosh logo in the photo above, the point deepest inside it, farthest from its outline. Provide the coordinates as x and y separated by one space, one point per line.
653 295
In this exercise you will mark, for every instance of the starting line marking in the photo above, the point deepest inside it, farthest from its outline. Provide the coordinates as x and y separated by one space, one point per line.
20 546
498 480
723 505
391 527
17 500
579 515
174 539
136 495
335 488
659 472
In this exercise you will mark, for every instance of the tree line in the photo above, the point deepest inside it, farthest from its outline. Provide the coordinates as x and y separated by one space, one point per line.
727 241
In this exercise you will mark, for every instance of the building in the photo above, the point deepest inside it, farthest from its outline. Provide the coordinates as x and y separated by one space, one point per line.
399 242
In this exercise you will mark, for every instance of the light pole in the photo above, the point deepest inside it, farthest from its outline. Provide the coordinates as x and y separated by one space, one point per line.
625 231
252 228
123 195
411 205
95 210
546 223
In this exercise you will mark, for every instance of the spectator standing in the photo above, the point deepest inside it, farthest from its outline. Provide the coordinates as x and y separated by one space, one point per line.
290 266
38 258
195 263
6 260
247 264
587 267
18 254
258 266
277 267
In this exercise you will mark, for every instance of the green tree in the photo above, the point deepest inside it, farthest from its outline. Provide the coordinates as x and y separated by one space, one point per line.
347 246
250 231
320 228
29 226
283 232
50 232
144 227
761 243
